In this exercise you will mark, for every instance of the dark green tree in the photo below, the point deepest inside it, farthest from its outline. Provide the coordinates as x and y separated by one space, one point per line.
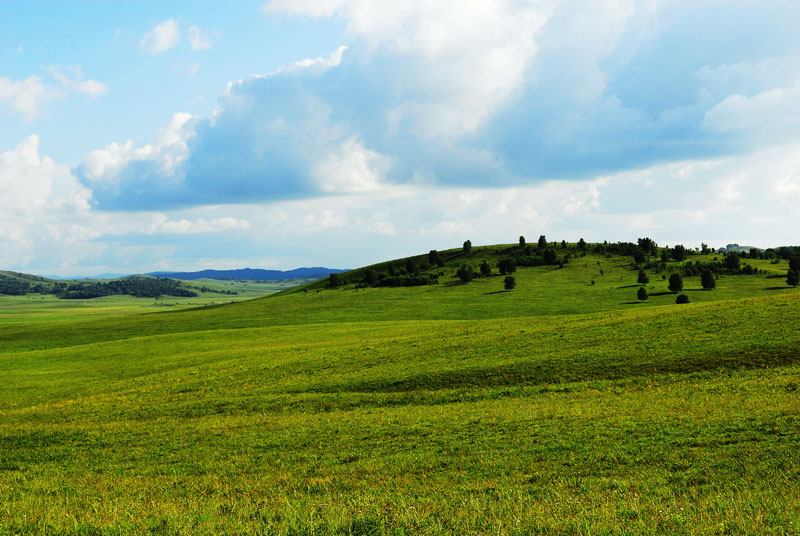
467 246
707 280
643 278
509 282
641 293
486 270
465 273
582 244
732 261
679 253
521 241
507 265
794 263
433 256
639 255
682 298
793 278
563 244
542 242
334 280
371 277
675 283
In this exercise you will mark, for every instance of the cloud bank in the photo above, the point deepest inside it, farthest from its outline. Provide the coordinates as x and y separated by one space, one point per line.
498 94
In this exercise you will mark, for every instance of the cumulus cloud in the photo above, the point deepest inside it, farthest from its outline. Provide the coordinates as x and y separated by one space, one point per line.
161 38
493 94
41 202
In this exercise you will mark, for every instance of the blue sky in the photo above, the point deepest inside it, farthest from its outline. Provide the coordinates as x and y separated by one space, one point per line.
187 135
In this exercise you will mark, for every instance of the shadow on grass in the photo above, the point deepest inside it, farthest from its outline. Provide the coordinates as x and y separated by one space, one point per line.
496 292
778 288
575 368
629 286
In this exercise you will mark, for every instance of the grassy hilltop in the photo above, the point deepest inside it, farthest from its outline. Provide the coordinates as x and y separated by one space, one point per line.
563 406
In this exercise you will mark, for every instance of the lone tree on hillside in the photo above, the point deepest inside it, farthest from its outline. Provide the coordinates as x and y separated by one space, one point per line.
433 256
542 242
793 278
521 241
641 293
486 270
467 246
563 244
643 278
707 280
682 298
675 283
582 243
334 280
509 282
465 273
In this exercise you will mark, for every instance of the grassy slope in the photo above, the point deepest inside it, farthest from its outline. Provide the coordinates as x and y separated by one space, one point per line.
444 409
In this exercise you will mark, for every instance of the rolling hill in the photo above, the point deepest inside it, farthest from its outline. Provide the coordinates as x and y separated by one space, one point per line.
359 405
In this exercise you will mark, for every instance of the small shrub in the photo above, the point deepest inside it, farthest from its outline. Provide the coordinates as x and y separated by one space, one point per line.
509 282
682 298
641 294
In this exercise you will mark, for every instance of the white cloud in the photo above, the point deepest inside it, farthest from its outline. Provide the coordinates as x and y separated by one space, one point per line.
163 225
350 167
161 38
467 60
199 39
101 168
43 208
26 97
770 115
72 79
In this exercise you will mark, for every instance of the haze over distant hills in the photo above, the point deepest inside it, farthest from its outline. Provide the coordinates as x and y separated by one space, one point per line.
250 273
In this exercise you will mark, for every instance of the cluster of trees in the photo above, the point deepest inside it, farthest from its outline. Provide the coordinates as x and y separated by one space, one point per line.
215 291
412 275
141 287
14 287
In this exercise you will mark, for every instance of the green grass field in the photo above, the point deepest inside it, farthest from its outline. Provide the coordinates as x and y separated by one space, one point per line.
561 407
48 308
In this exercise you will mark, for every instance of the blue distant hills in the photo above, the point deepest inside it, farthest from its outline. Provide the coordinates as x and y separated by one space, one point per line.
251 273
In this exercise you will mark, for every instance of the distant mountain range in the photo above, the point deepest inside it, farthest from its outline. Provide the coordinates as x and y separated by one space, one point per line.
250 273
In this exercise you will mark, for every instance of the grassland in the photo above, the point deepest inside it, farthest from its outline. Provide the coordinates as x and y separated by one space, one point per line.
561 407
48 308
